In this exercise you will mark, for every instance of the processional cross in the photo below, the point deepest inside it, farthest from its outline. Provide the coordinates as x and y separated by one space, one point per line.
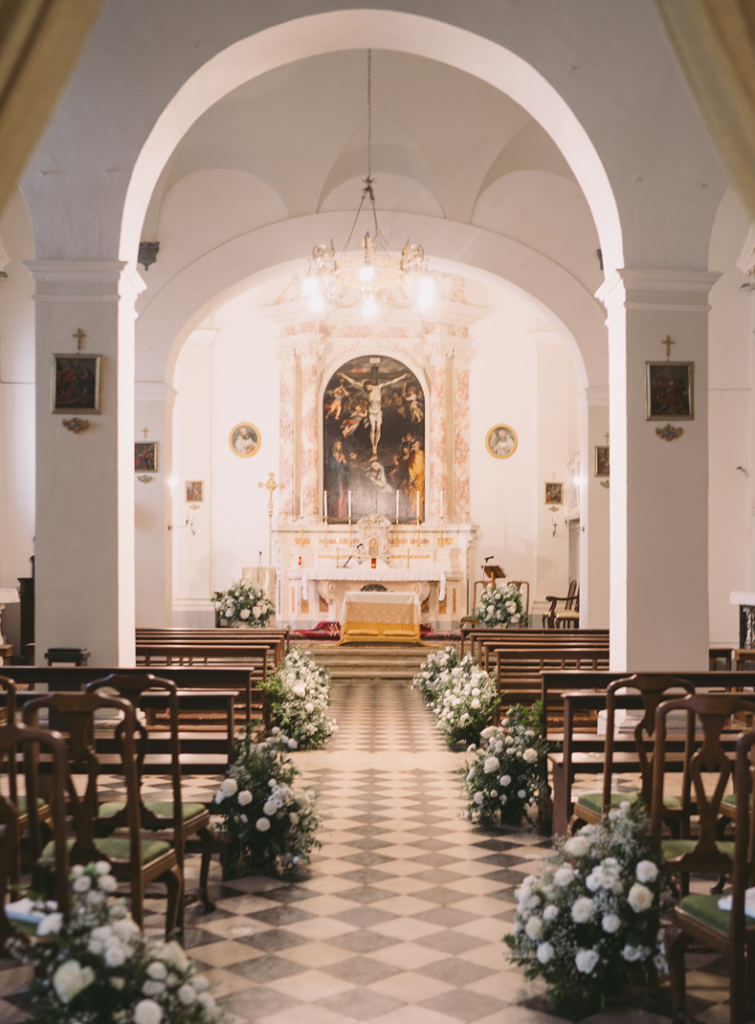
270 485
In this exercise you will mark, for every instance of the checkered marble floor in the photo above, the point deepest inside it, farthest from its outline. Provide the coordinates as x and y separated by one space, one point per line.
401 917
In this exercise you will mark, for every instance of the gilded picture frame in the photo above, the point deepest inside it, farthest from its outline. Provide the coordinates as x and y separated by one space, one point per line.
501 441
602 460
194 490
245 440
669 391
75 385
145 456
554 493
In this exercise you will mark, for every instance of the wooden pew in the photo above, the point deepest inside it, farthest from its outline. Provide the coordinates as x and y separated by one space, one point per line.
158 655
477 636
487 648
519 672
275 639
584 753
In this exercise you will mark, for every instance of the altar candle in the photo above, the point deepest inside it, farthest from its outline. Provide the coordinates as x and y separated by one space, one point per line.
441 504
396 504
417 504
349 504
325 504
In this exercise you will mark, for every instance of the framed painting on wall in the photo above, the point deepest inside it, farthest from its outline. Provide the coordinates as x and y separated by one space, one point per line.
602 460
195 490
245 440
501 441
669 391
554 494
76 383
145 456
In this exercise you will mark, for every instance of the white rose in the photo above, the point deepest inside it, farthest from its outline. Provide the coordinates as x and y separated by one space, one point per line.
153 988
228 787
586 960
107 883
633 953
309 707
505 780
611 923
244 613
647 871
534 927
70 979
102 867
244 797
257 610
262 824
125 929
488 731
147 1011
577 846
243 818
77 870
550 913
157 970
563 876
82 884
545 952
207 1003
299 689
187 995
522 794
640 898
492 764
583 910
270 807
115 953
293 818
530 755
200 983
50 924
478 798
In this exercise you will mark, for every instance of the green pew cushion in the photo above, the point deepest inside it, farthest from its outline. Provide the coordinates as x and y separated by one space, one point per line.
119 849
672 848
731 799
594 801
161 809
706 909
22 804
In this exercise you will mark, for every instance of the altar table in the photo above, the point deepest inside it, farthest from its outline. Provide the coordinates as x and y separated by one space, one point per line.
372 616
361 574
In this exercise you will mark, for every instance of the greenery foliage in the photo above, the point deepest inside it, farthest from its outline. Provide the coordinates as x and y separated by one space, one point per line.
504 778
270 825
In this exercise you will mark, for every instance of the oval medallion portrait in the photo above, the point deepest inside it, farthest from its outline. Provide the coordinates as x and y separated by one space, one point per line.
244 440
501 441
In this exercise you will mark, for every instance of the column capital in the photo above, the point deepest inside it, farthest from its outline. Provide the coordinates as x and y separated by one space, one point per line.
309 350
674 291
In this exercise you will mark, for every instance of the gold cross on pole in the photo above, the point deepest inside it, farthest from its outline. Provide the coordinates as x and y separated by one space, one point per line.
79 336
668 343
271 486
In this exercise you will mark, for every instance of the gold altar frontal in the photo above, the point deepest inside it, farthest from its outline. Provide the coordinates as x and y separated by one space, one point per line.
375 617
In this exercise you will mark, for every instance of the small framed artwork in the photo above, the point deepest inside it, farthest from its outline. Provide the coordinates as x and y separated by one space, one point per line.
245 440
76 383
195 490
669 391
554 494
501 441
145 456
602 460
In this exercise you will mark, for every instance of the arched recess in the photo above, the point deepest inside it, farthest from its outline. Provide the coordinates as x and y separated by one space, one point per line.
329 31
178 308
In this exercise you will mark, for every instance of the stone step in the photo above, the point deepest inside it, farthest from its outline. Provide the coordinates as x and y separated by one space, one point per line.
350 662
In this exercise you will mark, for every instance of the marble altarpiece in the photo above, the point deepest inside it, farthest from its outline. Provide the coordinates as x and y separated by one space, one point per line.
374 408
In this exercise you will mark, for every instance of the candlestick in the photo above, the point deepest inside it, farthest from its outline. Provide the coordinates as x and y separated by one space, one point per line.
417 505
349 521
441 505
349 506
396 508
325 505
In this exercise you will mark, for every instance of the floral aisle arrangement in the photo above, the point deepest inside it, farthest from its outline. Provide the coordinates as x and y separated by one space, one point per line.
505 777
591 923
244 604
270 825
435 674
99 968
299 699
501 607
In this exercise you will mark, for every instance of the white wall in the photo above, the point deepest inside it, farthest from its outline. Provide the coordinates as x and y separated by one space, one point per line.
17 405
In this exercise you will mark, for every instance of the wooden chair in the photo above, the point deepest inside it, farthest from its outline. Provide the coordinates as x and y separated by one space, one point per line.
698 919
712 713
653 689
159 816
133 860
20 739
556 618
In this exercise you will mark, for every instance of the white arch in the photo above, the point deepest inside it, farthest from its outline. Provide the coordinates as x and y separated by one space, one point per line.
276 249
390 30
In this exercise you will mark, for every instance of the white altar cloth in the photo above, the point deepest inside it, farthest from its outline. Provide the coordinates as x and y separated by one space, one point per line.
364 574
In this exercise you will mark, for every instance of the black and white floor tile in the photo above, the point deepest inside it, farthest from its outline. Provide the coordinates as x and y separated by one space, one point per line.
400 919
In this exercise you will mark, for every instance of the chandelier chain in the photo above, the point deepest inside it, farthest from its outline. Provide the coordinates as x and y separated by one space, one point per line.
369 113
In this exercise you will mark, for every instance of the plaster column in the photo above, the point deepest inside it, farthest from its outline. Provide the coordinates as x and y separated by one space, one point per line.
85 481
287 362
595 500
438 358
153 507
659 488
309 353
462 359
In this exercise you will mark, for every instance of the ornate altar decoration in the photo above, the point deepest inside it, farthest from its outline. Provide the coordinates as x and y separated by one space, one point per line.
384 409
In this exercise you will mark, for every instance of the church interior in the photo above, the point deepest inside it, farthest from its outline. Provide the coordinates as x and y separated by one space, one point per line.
570 398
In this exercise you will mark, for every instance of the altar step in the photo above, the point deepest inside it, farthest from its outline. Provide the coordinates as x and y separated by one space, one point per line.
350 662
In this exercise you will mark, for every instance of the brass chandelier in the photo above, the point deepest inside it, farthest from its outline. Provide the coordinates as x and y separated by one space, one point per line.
376 268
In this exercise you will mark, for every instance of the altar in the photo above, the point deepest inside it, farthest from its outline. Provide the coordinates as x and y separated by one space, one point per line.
375 617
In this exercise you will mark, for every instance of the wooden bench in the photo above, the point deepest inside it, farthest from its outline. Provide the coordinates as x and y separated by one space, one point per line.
584 753
554 642
275 639
477 635
160 655
519 672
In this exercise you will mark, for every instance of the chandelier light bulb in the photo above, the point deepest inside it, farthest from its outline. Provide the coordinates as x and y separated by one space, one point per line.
309 285
317 303
369 308
427 293
366 272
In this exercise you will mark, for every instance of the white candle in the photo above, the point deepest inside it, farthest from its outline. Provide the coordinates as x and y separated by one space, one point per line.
396 504
349 504
301 502
441 504
325 504
417 504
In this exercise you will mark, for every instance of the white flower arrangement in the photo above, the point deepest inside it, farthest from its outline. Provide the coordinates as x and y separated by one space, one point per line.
462 697
270 824
99 966
506 776
437 672
591 923
244 604
501 607
299 699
